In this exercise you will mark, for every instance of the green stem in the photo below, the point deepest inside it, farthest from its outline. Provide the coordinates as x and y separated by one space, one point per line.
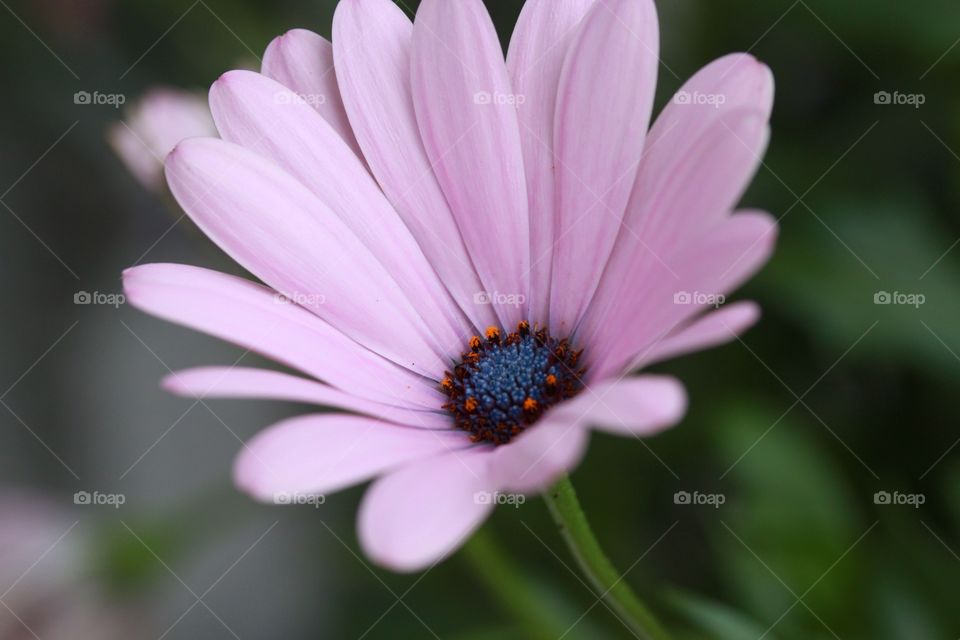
572 522
512 590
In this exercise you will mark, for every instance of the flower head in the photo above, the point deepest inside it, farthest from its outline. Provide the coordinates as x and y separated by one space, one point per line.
466 255
153 126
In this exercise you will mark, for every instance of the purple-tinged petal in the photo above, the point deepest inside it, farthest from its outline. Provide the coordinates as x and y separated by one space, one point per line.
371 44
421 513
278 230
637 406
710 330
265 117
712 266
468 122
317 454
665 219
535 459
303 62
257 318
538 48
248 383
601 122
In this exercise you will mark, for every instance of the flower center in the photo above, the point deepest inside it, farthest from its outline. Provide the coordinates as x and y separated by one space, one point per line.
504 383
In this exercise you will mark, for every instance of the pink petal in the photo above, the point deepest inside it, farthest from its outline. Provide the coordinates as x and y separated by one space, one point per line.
372 41
733 82
538 47
244 382
535 459
664 219
261 115
638 406
253 317
303 62
603 112
716 263
319 454
462 97
416 516
273 226
698 128
710 330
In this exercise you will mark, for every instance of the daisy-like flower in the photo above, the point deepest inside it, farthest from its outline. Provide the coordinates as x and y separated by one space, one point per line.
465 254
153 126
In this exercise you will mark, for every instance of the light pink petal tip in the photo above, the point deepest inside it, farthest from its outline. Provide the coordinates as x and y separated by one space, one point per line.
319 454
601 123
418 515
468 122
638 406
265 117
257 318
281 232
302 61
713 329
711 134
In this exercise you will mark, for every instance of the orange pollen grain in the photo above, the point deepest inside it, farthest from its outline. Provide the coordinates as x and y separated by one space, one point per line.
493 333
475 342
470 404
529 404
551 380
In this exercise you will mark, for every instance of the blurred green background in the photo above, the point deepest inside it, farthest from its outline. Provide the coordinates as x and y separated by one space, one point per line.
830 400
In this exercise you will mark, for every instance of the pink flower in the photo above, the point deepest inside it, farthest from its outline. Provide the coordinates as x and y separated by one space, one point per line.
48 577
468 254
152 128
